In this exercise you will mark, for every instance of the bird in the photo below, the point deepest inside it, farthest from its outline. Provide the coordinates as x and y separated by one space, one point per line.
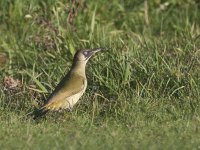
71 87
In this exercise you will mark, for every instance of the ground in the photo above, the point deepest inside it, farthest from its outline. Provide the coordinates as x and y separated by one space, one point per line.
143 90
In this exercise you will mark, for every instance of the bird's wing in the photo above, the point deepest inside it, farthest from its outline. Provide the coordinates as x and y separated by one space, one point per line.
67 87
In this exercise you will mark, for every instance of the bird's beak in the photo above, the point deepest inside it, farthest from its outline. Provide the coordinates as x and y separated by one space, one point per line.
94 51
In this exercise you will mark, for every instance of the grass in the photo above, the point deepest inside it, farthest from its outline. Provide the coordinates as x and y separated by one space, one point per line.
143 92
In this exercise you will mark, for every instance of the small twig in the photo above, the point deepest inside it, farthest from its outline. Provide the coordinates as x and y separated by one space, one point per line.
73 12
97 94
146 16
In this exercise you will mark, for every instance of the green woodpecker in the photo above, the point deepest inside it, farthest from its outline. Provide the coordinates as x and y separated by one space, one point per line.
71 87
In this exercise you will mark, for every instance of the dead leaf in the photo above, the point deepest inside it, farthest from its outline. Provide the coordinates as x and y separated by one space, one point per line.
10 83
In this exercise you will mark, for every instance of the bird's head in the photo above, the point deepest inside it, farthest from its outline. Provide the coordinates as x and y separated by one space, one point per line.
80 59
85 54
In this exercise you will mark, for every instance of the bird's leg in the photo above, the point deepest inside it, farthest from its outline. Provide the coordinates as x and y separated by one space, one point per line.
70 109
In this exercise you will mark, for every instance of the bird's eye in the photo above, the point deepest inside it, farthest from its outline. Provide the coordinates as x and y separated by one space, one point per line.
85 53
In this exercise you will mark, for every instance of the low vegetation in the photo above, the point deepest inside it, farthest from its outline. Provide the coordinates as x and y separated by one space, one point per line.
144 89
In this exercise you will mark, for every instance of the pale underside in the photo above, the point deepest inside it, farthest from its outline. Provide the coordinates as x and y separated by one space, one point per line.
68 103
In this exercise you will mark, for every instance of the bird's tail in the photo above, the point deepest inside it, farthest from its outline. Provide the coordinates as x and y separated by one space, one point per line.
40 112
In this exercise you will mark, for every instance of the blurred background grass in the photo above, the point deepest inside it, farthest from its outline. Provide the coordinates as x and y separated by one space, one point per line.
143 92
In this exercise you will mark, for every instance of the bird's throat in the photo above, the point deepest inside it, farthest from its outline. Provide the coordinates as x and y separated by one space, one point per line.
78 67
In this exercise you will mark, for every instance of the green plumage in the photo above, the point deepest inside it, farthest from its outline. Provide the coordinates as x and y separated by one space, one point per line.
71 87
